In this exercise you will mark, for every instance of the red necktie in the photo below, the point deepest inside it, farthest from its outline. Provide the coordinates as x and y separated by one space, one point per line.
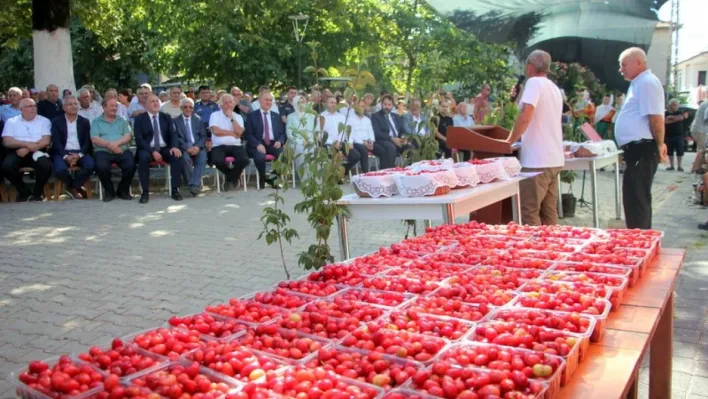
266 128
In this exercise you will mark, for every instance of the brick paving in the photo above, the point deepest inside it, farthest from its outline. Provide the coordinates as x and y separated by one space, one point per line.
75 274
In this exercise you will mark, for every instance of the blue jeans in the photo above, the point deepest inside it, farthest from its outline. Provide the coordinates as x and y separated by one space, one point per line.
61 170
194 167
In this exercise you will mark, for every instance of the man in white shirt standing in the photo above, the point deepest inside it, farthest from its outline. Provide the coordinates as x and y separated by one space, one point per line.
699 130
539 126
87 108
227 128
332 120
639 132
362 135
26 138
172 107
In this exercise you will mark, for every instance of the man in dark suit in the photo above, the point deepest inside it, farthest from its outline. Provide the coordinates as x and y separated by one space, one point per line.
388 131
265 133
156 139
71 146
192 139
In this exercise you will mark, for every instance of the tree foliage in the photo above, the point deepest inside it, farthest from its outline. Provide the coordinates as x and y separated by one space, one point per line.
252 43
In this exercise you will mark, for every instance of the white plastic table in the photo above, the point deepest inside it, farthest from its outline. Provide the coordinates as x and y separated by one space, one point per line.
445 207
593 164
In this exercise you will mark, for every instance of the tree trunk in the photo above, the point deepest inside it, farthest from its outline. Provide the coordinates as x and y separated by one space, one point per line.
53 61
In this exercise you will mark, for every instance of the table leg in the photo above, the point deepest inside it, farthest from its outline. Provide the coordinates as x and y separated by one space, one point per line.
560 199
343 237
448 214
427 223
634 387
661 356
618 192
595 205
516 206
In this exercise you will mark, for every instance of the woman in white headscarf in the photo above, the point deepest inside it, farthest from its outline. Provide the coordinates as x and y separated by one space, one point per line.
603 117
299 127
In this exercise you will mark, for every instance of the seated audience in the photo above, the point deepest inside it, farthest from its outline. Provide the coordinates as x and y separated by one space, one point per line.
414 121
388 130
172 107
335 138
156 139
7 111
265 133
256 105
192 140
444 121
227 129
362 135
71 146
110 135
87 108
27 137
51 107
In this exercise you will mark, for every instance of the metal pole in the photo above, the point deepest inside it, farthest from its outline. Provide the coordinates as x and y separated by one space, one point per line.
299 67
448 214
343 238
618 192
595 205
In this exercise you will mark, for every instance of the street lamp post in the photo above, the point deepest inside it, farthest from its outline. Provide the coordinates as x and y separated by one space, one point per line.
297 20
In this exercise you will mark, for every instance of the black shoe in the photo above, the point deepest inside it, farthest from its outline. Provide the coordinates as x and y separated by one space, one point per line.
35 198
108 197
261 185
680 169
703 226
176 196
125 196
670 168
194 190
273 183
144 198
23 197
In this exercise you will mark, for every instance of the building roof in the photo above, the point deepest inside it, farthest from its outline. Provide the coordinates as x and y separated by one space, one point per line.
703 51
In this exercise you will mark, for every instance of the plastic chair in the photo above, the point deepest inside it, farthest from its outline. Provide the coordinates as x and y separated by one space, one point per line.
230 161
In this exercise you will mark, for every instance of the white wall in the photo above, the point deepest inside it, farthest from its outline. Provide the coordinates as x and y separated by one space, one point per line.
689 71
658 54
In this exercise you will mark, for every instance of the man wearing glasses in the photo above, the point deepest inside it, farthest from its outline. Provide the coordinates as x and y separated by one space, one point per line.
192 139
26 137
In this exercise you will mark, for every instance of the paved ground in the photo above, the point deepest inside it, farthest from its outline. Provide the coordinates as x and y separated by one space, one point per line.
75 274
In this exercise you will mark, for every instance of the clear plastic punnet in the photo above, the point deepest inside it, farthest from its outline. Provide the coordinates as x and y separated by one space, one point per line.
448 328
154 340
24 378
617 284
388 299
152 379
589 267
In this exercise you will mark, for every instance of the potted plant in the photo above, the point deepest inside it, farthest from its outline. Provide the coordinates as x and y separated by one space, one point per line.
568 200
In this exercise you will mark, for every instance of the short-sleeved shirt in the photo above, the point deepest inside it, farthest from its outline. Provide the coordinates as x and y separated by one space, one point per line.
220 120
170 109
134 106
542 142
645 97
331 126
204 110
674 129
92 112
29 131
109 131
7 112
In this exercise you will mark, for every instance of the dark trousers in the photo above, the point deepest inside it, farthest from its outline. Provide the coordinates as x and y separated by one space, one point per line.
363 156
260 161
125 161
219 154
353 157
443 149
61 170
11 170
641 160
387 152
144 159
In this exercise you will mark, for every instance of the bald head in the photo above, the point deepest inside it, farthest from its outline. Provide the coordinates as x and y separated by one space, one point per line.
633 61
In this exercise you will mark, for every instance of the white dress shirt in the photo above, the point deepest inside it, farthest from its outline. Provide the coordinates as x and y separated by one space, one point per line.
645 97
361 129
417 128
331 126
459 121
220 120
392 131
72 135
29 131
92 112
152 142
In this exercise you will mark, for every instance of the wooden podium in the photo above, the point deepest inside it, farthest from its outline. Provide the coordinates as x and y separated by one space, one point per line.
485 142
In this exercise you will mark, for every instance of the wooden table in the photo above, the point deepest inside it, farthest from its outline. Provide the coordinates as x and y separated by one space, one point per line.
593 164
644 321
445 207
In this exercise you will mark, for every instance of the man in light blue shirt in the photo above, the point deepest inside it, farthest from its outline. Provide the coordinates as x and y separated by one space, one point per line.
639 131
14 95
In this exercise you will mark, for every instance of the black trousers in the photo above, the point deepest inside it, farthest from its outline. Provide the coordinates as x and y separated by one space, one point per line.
387 152
353 158
363 156
126 163
641 162
260 159
11 170
238 152
144 159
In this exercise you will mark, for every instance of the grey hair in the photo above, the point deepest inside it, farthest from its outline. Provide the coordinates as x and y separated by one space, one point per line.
70 97
674 101
14 90
84 90
540 60
185 100
634 52
224 97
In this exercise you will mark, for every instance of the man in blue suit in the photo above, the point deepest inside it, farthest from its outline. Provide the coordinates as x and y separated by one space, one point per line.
156 139
192 139
265 133
389 134
71 146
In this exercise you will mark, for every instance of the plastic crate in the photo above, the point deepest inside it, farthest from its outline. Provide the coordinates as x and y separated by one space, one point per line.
342 308
24 391
292 334
255 358
239 325
172 332
231 383
399 284
588 267
405 336
638 265
376 297
224 311
159 360
617 284
554 381
397 320
328 328
457 309
278 297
